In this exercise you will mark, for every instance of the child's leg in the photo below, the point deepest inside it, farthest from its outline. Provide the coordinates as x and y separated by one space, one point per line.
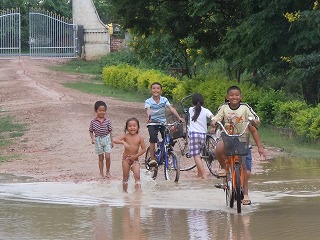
136 174
200 168
248 163
101 164
221 156
125 175
108 163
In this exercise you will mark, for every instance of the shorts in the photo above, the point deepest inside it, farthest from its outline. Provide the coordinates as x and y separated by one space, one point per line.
103 144
153 132
197 141
249 160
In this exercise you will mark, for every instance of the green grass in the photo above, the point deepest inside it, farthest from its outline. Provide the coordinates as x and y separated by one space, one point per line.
80 66
292 146
103 90
9 131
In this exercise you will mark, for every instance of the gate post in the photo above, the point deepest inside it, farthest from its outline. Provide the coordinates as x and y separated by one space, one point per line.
96 35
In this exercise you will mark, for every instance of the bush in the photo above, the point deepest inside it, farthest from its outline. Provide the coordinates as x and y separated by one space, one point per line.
266 106
131 78
307 122
285 112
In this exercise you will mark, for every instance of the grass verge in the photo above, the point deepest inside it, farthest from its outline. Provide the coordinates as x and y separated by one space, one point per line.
291 145
103 90
9 131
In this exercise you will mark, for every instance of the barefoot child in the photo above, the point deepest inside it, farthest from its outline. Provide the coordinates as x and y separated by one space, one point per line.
134 147
198 130
101 135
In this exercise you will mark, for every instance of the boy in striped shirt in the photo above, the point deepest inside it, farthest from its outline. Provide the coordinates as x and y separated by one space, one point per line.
101 135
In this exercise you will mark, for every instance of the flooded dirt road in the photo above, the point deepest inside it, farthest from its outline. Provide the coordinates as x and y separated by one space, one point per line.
285 205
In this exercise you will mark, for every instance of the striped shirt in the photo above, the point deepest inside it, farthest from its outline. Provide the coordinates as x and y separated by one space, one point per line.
157 110
100 129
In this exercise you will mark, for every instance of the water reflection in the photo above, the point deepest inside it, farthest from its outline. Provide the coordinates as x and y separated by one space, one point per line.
285 206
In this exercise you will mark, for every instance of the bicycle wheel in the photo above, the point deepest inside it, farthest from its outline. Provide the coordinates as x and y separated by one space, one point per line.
181 149
153 170
229 190
172 170
211 160
238 187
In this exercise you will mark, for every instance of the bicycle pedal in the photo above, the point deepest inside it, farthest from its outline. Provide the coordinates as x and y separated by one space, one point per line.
220 185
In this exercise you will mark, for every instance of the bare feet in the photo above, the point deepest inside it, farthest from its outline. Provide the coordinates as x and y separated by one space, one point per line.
137 186
108 175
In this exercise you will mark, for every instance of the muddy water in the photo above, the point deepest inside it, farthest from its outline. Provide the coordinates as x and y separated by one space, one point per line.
285 205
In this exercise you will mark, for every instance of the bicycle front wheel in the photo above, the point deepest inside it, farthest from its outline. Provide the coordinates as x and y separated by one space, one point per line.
181 148
211 160
172 168
229 190
238 186
153 170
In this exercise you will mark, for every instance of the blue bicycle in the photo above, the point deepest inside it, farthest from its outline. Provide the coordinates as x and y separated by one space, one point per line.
165 155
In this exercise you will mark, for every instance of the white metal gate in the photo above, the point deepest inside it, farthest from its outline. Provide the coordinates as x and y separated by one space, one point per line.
51 35
10 33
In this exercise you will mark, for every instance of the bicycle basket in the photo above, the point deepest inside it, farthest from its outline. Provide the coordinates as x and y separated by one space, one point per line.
178 131
235 145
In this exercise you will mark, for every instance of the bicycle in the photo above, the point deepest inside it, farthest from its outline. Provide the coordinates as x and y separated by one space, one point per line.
182 145
165 154
236 149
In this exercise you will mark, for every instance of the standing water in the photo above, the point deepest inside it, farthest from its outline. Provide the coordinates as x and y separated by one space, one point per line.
285 205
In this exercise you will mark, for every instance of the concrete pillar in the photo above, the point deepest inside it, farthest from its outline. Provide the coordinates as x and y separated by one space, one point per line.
96 35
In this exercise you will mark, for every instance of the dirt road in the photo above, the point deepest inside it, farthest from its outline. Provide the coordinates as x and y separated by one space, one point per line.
57 147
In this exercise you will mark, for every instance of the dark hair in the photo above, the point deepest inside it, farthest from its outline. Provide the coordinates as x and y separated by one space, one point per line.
99 104
156 83
197 101
233 88
129 120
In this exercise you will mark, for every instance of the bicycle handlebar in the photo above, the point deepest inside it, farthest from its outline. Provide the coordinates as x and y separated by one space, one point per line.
250 121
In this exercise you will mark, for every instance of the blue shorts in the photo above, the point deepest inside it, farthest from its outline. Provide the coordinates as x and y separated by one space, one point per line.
249 160
197 140
103 144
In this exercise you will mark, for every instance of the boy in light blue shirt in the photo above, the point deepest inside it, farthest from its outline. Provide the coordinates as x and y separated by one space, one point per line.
156 106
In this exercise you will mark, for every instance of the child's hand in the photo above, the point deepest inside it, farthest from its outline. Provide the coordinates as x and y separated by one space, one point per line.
181 119
262 152
93 141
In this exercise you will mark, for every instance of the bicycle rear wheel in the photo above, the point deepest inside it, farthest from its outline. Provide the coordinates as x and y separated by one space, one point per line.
238 186
211 160
172 170
229 190
181 148
153 170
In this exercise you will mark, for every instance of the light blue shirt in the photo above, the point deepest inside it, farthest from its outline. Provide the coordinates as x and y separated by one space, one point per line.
157 110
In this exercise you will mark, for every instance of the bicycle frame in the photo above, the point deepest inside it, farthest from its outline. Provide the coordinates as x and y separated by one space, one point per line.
234 165
164 152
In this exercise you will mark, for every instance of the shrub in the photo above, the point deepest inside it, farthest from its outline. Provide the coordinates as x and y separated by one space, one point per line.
285 112
266 107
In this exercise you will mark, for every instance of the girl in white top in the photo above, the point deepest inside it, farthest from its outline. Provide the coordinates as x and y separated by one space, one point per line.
197 130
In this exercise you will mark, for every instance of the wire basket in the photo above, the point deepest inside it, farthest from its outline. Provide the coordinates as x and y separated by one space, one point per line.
235 145
178 131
